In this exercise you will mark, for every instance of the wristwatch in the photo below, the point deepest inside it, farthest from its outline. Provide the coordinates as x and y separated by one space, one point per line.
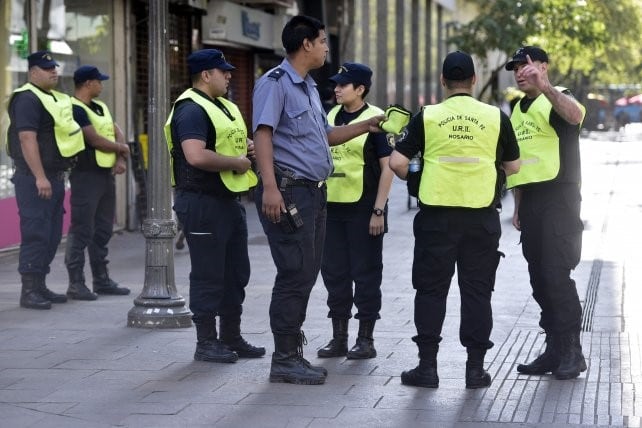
377 211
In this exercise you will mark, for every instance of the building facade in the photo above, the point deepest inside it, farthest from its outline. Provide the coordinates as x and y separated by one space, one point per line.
403 41
77 32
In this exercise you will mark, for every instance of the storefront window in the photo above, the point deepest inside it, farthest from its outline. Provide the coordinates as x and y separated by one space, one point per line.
77 32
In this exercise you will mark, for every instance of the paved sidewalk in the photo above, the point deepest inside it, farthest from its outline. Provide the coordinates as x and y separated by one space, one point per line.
78 365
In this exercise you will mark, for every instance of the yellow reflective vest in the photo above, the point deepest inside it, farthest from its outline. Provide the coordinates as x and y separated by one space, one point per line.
231 138
459 161
66 130
539 144
104 126
345 185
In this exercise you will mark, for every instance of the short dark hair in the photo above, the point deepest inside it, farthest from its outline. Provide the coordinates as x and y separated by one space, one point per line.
366 90
195 77
458 84
299 28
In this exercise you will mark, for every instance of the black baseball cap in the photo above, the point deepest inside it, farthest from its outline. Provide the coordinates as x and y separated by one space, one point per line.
88 72
355 73
207 59
42 59
458 65
519 57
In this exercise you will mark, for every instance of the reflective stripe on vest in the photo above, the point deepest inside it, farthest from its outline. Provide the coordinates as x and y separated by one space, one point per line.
460 153
67 132
345 185
231 138
104 126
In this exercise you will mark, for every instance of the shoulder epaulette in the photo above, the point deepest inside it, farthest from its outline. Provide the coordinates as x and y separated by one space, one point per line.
277 73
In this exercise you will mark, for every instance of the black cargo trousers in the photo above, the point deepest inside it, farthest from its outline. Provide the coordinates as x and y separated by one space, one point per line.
551 229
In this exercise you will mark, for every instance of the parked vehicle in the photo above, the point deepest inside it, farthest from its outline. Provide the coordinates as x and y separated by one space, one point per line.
627 114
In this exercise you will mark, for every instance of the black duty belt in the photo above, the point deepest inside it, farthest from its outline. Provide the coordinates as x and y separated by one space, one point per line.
285 178
299 182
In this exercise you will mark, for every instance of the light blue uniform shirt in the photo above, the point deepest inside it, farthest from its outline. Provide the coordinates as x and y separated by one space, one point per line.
291 106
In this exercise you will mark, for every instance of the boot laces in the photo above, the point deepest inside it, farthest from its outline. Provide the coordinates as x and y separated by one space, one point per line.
301 342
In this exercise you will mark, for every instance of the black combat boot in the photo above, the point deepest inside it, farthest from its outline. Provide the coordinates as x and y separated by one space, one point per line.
572 361
288 364
209 348
425 374
338 345
77 289
31 295
231 337
547 362
364 348
476 376
302 342
103 284
47 293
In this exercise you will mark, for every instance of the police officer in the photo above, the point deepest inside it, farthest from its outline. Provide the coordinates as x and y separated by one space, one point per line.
43 137
210 153
93 188
292 138
357 207
466 147
547 208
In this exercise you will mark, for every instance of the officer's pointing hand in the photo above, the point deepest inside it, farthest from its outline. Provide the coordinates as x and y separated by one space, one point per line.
534 75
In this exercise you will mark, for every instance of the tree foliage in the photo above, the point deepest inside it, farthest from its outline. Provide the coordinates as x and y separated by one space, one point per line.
590 42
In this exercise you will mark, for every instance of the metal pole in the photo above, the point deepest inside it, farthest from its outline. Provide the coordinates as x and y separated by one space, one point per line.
382 53
440 46
414 57
428 52
130 90
159 305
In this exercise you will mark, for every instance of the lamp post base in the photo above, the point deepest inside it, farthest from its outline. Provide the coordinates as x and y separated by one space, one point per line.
159 305
159 313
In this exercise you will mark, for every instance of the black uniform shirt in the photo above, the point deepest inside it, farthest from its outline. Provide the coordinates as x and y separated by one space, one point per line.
87 158
27 113
190 121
